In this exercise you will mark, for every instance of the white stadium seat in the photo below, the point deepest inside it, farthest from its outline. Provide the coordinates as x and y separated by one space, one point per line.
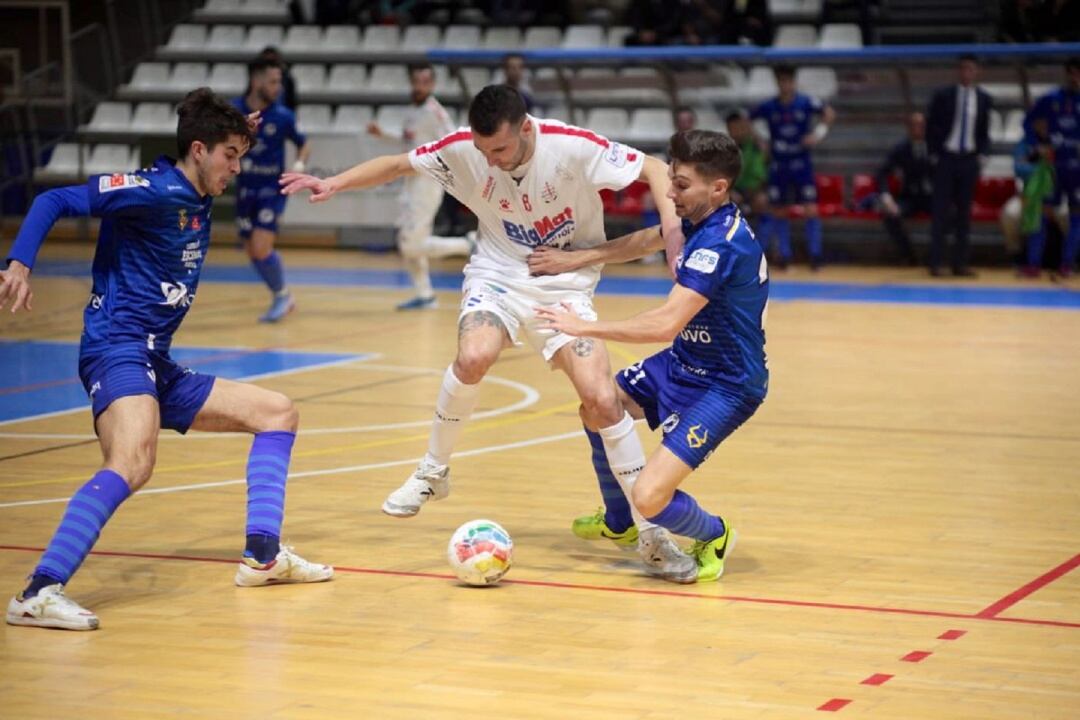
795 36
391 119
65 160
760 84
262 35
187 37
346 78
109 116
226 37
150 76
609 122
229 78
840 35
421 38
502 38
616 35
187 76
352 119
389 79
153 117
653 125
313 118
302 38
309 78
584 36
461 37
109 158
342 38
817 81
379 38
542 37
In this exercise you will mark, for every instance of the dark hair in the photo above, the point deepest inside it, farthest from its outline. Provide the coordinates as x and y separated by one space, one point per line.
713 154
420 67
493 106
967 57
511 56
784 70
208 118
684 109
262 63
736 114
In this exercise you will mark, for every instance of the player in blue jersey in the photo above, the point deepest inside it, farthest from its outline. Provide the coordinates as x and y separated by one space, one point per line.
794 124
1054 123
714 375
154 235
258 203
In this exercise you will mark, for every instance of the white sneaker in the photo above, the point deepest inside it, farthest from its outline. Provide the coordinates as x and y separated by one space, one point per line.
287 567
428 482
664 558
51 608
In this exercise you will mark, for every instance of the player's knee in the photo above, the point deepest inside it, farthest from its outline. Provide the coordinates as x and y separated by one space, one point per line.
649 499
135 464
471 365
282 413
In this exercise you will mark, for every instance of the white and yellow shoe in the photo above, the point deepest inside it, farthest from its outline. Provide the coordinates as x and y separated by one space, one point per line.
287 567
50 608
664 558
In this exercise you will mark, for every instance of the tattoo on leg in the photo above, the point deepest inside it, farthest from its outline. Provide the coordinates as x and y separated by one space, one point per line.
479 319
583 347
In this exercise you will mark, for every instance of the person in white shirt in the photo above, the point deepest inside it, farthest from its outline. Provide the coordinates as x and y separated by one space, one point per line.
425 122
531 183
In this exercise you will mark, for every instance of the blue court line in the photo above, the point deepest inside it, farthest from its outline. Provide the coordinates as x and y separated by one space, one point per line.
780 290
40 377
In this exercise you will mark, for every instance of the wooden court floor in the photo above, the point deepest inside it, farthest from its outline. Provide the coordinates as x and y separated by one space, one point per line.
907 501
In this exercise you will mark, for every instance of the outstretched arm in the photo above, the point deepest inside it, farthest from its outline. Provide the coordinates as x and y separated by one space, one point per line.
48 207
374 172
547 260
661 324
654 171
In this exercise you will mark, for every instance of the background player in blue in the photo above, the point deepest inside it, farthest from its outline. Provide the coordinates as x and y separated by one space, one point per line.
258 202
154 235
713 377
794 123
1054 123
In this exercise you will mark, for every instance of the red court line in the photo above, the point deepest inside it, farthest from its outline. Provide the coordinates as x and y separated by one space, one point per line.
916 656
598 588
952 634
995 609
877 679
835 704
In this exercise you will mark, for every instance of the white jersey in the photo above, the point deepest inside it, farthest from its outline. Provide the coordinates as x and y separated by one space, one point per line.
420 198
556 202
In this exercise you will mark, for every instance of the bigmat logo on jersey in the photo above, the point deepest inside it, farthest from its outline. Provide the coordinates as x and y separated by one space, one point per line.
544 231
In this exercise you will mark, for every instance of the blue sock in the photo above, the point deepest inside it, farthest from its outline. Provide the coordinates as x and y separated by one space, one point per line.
1072 243
272 271
683 516
1036 244
764 232
268 465
87 512
813 238
783 235
617 507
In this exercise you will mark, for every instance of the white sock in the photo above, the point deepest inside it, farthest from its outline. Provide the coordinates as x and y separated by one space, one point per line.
417 267
436 246
452 410
626 458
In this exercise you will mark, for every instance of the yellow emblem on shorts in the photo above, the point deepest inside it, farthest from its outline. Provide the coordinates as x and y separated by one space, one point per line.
183 218
693 439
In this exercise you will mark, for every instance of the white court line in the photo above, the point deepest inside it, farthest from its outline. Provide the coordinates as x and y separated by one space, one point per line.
532 396
330 471
360 357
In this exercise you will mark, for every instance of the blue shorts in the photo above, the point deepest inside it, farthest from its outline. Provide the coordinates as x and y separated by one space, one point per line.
695 413
180 392
1066 184
791 182
258 208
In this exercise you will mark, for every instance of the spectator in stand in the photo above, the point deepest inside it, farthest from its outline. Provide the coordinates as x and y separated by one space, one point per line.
750 192
744 20
958 138
514 75
655 22
288 96
910 159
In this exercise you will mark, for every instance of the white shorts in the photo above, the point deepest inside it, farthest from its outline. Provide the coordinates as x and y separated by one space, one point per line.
515 306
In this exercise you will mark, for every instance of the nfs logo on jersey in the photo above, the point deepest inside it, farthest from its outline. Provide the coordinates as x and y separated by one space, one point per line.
544 231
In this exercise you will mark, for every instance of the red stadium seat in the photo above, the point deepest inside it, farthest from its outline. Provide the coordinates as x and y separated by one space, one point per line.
830 195
862 187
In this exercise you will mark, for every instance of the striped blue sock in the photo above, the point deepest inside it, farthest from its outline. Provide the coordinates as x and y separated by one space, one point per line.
272 271
617 507
87 512
268 465
683 516
813 238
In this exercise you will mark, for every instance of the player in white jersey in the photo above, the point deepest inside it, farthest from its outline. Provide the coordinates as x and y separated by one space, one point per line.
425 122
531 183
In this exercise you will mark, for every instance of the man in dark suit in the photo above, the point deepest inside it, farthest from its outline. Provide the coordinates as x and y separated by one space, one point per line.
957 135
911 160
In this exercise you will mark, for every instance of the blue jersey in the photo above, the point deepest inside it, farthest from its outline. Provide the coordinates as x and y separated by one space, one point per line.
789 124
1060 110
154 235
265 161
725 341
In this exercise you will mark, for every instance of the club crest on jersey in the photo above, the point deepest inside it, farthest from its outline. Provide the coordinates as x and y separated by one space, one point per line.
120 181
703 260
548 194
196 224
270 129
696 437
544 231
505 205
182 218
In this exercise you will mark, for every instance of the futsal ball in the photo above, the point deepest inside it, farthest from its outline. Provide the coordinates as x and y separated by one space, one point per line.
480 552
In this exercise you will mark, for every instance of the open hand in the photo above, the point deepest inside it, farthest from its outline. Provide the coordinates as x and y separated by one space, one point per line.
562 319
292 183
15 286
547 260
